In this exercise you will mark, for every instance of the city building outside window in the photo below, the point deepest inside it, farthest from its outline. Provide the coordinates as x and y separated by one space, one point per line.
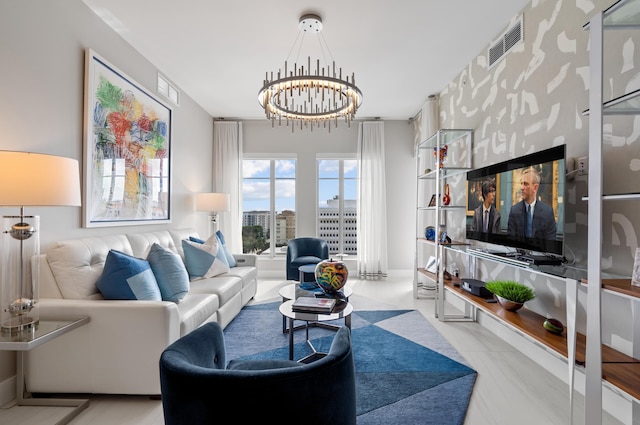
337 204
269 200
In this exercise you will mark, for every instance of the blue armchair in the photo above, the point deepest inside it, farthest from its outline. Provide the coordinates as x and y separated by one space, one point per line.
198 389
301 251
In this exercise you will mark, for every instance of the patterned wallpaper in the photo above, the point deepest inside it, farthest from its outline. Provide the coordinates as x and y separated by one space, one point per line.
533 99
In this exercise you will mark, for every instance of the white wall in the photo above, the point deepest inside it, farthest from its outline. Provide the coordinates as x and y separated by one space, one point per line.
41 110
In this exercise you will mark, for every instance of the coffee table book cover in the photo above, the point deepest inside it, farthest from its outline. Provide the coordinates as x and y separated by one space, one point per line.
313 304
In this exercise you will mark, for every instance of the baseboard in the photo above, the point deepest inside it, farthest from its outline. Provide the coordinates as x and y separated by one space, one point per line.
7 390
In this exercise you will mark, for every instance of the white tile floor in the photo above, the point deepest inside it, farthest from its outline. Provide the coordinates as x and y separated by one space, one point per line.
510 387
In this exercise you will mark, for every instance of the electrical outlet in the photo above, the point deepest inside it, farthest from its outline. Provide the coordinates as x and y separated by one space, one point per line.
583 165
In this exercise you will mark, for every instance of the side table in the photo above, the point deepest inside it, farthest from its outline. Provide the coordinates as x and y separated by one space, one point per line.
293 291
342 310
47 329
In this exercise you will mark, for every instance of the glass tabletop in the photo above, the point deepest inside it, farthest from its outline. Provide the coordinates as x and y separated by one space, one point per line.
46 329
342 309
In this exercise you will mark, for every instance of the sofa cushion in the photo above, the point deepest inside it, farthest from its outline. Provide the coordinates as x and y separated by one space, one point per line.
141 242
196 309
77 264
170 273
128 278
204 260
247 274
226 287
227 252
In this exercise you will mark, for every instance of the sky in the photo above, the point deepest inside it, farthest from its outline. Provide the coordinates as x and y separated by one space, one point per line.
256 184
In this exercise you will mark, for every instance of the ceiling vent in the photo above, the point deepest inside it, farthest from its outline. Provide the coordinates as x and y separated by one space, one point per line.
506 42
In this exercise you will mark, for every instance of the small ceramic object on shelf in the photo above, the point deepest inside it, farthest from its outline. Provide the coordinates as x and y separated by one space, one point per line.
430 233
553 325
446 198
441 156
442 235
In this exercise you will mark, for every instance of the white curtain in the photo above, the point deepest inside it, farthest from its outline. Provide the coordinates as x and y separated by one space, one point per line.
372 205
227 174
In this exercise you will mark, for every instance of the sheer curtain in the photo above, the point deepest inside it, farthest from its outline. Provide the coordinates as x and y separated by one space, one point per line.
227 155
372 205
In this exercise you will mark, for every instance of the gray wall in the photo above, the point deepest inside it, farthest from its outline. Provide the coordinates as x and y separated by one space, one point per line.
533 99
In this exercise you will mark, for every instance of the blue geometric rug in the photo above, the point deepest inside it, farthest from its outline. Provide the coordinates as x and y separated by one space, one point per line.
406 372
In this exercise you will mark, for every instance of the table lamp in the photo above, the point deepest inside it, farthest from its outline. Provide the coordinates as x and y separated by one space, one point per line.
213 203
28 179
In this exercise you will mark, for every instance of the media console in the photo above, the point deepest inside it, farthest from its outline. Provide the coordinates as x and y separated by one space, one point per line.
620 371
519 258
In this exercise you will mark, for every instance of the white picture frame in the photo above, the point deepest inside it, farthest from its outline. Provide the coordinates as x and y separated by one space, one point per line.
127 148
635 275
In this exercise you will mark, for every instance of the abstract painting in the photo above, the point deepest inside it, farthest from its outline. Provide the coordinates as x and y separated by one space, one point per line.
127 165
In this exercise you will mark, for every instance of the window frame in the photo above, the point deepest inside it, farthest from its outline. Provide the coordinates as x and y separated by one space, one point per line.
272 158
342 215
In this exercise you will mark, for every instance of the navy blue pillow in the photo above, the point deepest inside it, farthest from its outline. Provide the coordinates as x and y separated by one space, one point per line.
127 278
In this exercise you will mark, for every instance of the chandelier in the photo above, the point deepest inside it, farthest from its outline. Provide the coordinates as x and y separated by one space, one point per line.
309 98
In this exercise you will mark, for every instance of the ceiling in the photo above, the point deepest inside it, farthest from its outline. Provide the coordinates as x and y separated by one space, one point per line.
218 52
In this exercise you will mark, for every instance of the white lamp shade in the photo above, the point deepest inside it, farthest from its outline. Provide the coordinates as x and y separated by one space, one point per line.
212 202
32 179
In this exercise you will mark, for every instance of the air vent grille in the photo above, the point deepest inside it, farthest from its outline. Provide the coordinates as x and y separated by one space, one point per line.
506 42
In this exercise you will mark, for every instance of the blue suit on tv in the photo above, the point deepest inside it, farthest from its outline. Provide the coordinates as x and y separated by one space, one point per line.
544 223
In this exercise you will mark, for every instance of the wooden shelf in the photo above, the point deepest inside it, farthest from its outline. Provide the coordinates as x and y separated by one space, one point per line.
619 369
622 286
625 376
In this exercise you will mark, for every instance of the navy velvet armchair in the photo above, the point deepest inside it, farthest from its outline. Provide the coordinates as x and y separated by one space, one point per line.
198 387
302 251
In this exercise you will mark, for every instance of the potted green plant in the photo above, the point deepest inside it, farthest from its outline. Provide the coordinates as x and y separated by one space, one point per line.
511 295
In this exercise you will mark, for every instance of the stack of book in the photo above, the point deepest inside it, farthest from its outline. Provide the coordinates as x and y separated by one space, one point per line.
313 305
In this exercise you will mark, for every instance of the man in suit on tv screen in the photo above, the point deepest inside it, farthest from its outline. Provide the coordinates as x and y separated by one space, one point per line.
486 218
531 218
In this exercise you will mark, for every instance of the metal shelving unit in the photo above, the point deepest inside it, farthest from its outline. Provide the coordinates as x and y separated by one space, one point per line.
624 14
431 179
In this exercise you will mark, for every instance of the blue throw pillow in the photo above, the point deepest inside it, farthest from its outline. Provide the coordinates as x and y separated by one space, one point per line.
204 259
127 278
227 253
170 272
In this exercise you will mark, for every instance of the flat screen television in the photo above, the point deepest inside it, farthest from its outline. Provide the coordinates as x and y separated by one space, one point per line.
538 176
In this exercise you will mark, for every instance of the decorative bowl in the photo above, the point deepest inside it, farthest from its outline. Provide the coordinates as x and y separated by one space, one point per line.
331 275
430 233
508 305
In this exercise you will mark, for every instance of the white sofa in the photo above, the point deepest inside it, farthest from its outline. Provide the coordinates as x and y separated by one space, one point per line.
118 351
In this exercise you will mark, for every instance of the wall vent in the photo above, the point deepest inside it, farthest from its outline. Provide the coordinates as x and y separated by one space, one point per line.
168 90
506 42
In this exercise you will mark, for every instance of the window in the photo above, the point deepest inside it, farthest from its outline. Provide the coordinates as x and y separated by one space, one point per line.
269 202
337 204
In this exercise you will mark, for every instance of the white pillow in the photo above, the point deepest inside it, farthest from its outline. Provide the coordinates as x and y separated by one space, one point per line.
204 259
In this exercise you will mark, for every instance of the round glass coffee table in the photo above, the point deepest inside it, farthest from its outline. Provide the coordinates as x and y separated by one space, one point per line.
342 310
293 291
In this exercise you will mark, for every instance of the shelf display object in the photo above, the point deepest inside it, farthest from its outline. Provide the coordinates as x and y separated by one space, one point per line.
442 161
624 14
